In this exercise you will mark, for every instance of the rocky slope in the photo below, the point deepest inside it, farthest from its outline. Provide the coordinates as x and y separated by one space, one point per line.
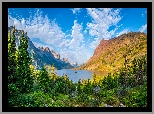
108 56
42 56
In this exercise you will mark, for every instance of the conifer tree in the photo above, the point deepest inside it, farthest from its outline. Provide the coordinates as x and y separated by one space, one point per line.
11 57
44 80
12 63
94 79
79 87
25 78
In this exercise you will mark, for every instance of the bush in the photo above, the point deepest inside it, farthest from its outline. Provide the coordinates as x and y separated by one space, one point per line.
137 97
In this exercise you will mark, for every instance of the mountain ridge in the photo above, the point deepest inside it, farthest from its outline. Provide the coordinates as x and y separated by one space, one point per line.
42 56
108 55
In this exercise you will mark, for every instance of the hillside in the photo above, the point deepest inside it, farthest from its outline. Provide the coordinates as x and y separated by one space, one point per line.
108 56
42 56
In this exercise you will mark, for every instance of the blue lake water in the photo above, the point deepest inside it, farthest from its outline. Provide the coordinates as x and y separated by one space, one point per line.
80 74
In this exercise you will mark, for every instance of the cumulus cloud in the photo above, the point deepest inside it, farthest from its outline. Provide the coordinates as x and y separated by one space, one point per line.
77 36
78 55
102 19
143 28
122 32
76 50
64 43
76 10
39 26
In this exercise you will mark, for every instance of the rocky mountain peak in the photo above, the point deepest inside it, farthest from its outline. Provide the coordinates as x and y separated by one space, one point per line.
109 53
103 44
65 59
47 49
41 48
43 56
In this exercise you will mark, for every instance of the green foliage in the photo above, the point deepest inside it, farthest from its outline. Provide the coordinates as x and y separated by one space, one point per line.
88 89
12 63
11 58
19 74
25 78
12 94
103 61
137 97
61 88
44 81
79 90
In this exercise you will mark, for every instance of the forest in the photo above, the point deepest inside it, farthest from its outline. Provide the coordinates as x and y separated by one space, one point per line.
27 87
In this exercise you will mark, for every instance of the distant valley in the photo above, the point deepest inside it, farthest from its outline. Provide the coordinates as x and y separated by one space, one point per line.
108 56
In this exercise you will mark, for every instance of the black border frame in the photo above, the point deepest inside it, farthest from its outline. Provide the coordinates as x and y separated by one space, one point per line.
6 5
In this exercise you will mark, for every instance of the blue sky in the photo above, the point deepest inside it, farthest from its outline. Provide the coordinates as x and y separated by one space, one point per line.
74 33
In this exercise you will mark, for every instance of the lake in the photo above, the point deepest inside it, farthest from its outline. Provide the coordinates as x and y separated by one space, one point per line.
81 74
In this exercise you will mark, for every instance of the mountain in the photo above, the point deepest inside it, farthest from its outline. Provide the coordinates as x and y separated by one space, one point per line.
42 56
109 55
75 65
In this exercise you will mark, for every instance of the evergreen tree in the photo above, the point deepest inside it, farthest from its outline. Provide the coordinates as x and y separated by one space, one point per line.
79 87
12 78
11 57
94 80
25 78
44 80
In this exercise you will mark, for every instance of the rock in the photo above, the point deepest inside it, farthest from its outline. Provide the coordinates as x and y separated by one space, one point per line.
47 49
46 105
97 89
77 106
109 106
121 105
74 93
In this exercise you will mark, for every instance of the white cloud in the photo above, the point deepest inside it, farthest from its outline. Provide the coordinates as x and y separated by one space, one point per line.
64 43
39 27
122 32
143 28
78 55
76 10
102 19
74 49
77 36
85 31
36 44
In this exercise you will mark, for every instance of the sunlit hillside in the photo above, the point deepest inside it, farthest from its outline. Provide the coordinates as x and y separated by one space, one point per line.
108 56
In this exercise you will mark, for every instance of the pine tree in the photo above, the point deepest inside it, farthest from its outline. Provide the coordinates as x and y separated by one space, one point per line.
94 79
25 78
79 87
11 57
44 80
12 77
